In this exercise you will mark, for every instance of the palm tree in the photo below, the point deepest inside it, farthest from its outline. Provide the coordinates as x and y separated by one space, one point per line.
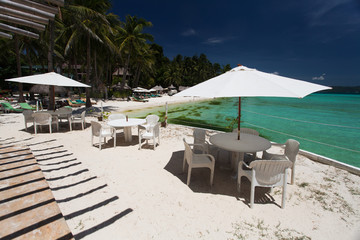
86 23
132 40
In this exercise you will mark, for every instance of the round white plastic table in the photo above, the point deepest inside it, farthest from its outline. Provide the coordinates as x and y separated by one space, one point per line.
127 126
247 143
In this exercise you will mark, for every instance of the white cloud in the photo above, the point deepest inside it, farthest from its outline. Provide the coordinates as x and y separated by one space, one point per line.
214 40
276 73
189 32
320 78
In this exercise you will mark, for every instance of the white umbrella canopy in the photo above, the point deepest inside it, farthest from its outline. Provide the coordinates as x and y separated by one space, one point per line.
50 78
247 82
140 89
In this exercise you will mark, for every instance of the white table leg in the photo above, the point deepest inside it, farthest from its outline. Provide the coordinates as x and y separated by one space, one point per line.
127 134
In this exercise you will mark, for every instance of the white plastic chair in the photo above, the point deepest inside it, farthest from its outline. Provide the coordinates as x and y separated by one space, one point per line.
64 113
264 173
200 143
150 133
117 116
150 120
44 118
102 132
28 118
78 119
197 161
290 153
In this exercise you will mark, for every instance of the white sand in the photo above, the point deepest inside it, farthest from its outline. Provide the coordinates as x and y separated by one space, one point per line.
147 197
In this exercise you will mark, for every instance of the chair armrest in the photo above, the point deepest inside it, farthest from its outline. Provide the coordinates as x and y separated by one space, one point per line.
207 155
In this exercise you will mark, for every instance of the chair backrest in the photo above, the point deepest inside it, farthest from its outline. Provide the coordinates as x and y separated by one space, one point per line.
95 128
42 118
269 172
291 149
199 138
64 112
83 115
116 116
188 152
152 119
28 115
248 131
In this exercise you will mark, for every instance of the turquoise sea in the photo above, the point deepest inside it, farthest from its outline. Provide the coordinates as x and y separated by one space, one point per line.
325 124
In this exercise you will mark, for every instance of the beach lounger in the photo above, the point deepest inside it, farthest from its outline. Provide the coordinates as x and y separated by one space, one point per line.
9 108
139 99
26 106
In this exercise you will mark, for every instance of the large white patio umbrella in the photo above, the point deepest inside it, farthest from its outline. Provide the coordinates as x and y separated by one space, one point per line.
247 82
50 78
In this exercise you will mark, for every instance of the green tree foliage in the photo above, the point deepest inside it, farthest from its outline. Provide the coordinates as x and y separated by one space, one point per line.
91 43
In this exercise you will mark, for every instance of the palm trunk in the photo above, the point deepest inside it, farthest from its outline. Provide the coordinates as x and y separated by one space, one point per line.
75 69
88 55
123 81
18 65
51 65
137 76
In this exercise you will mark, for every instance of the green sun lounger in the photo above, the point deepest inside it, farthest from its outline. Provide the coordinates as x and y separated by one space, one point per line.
26 106
9 108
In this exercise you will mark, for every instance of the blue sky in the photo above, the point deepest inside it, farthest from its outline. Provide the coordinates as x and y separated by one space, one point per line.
312 40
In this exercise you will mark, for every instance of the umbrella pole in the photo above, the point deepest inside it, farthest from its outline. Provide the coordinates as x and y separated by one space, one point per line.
239 117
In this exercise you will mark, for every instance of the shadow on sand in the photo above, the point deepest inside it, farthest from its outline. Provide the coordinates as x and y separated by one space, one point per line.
224 182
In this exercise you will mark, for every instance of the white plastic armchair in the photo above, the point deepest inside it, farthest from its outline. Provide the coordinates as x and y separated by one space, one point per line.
117 116
102 132
28 118
200 143
264 173
150 120
78 119
151 132
44 118
291 150
197 161
64 113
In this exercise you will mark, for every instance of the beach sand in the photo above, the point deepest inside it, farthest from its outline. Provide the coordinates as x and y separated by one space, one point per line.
126 193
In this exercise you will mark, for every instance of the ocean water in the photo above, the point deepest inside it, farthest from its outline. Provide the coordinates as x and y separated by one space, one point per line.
325 124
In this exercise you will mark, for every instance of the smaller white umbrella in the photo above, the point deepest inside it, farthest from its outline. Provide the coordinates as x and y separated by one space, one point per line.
140 89
50 78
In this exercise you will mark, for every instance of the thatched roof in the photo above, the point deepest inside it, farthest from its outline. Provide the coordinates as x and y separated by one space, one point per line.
44 89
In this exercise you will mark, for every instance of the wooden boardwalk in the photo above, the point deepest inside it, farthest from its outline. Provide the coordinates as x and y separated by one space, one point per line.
28 209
